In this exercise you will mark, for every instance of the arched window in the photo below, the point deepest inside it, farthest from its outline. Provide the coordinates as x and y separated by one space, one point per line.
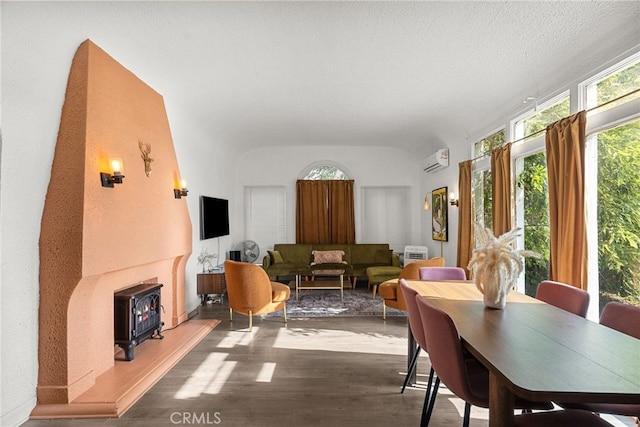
324 172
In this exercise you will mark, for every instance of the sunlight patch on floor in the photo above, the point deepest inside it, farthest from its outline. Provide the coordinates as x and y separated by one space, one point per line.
208 378
340 341
241 337
266 373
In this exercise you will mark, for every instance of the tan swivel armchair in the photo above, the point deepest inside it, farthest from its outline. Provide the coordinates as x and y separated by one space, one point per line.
389 290
251 292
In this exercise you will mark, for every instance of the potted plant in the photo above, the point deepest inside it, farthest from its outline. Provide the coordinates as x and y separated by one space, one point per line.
206 259
496 265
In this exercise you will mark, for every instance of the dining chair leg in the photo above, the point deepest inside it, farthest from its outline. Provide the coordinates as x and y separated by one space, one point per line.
430 400
284 312
467 414
412 368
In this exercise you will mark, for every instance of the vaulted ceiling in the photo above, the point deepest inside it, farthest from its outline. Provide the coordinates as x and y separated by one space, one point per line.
416 75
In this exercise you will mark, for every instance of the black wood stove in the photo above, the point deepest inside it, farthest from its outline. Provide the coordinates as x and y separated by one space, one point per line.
136 316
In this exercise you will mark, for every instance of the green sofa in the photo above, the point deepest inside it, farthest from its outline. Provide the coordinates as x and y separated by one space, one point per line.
290 259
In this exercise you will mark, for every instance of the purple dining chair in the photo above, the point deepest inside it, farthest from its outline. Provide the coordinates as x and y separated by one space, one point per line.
415 323
566 297
442 273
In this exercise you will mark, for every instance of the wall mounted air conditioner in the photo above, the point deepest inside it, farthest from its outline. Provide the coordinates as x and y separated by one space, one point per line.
436 161
415 253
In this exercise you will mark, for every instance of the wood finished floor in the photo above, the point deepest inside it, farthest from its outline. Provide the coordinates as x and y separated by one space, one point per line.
339 371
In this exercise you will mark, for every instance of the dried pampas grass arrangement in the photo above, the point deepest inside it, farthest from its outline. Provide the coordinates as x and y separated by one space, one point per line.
496 265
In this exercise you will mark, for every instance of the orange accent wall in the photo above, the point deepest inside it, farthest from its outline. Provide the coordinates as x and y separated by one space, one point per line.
96 240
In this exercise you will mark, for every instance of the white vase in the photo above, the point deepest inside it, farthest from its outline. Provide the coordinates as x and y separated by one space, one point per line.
493 297
493 301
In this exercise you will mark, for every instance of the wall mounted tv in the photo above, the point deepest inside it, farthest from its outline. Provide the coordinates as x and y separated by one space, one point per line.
214 217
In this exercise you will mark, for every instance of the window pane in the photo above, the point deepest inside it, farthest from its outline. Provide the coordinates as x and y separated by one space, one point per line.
482 200
326 172
619 214
614 86
539 120
483 147
532 185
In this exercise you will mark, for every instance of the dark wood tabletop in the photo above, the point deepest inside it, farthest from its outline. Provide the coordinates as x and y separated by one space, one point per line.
537 351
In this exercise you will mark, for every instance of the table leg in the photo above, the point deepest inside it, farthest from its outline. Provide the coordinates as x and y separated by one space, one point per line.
412 348
342 288
500 403
297 285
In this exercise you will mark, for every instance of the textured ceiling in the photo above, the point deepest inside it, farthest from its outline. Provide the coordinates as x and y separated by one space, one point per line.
416 75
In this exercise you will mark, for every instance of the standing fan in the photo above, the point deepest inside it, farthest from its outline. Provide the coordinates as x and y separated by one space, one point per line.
249 251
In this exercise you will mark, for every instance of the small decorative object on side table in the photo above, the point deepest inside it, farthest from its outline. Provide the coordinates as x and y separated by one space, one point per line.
213 283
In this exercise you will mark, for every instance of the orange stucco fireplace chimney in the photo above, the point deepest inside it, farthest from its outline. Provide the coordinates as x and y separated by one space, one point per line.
97 240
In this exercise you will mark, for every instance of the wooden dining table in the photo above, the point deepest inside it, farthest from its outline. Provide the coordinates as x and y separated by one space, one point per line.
537 351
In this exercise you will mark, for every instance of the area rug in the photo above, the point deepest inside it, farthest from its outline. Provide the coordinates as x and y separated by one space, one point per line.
326 303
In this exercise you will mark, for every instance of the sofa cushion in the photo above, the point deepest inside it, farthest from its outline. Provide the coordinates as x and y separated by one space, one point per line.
383 257
276 257
365 253
328 257
293 253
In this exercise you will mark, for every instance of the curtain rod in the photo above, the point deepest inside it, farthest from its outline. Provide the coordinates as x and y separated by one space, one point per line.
536 133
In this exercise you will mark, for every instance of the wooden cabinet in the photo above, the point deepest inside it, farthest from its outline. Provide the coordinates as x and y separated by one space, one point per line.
213 283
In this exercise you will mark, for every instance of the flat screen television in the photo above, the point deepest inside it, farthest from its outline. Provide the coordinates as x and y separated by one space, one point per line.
214 217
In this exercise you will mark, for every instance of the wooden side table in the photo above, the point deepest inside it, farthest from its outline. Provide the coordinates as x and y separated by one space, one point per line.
213 283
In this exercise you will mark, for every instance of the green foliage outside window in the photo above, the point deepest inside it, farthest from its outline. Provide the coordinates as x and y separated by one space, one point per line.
533 182
540 120
619 214
326 172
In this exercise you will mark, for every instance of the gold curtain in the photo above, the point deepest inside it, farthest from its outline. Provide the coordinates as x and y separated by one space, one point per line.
325 211
565 144
341 212
501 189
466 233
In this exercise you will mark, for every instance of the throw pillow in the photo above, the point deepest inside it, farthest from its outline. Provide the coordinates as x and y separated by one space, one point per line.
328 257
276 257
383 256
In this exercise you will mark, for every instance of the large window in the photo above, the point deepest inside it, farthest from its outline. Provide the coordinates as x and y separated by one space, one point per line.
482 196
532 215
618 213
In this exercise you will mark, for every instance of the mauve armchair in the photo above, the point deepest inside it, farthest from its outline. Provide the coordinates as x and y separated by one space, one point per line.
251 292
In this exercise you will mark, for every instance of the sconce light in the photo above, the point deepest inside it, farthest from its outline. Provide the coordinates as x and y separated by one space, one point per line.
181 192
116 177
426 205
452 199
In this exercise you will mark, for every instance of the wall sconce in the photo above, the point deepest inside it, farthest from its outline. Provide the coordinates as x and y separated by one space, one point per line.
426 205
116 177
452 199
181 192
